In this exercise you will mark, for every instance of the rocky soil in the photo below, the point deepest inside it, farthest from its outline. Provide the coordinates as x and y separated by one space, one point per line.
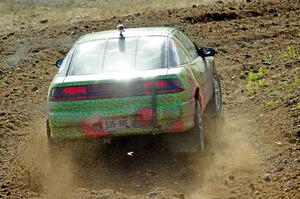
253 149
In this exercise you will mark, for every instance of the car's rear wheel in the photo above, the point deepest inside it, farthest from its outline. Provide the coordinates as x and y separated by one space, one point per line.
215 103
190 141
48 129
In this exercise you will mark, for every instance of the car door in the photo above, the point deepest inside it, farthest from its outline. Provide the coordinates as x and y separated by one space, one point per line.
202 68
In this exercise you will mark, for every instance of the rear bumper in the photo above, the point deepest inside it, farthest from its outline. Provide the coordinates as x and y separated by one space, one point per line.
83 121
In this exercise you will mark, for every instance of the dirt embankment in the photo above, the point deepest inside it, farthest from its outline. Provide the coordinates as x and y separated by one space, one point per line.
252 150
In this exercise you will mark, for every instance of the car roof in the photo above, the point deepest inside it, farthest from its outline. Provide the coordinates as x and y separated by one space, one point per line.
130 32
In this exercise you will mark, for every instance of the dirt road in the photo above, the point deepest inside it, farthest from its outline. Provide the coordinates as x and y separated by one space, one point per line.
252 150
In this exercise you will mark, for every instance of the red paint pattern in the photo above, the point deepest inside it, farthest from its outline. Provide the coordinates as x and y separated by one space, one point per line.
145 115
87 128
176 126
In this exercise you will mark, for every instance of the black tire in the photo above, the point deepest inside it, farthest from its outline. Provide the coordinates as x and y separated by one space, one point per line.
48 129
215 104
52 143
190 141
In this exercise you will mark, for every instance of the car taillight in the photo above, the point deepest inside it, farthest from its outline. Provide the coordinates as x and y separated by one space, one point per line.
163 86
69 93
113 90
74 90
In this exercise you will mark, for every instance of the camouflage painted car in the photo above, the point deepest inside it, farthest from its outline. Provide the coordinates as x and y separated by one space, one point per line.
134 82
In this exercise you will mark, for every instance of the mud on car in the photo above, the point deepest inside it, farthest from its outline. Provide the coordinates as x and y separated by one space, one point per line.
135 81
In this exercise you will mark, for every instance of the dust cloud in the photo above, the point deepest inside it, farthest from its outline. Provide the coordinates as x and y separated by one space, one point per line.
50 173
94 167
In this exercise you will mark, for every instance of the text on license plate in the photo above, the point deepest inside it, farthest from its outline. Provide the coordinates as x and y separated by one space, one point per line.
117 124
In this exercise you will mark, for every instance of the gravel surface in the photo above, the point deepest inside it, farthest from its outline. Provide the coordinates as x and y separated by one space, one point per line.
252 149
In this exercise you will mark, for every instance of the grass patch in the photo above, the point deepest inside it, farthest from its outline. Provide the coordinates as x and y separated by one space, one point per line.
291 52
291 86
256 80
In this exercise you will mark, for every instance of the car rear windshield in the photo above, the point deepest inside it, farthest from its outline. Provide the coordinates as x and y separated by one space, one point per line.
114 55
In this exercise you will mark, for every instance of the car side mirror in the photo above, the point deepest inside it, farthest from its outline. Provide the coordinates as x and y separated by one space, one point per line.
58 63
206 52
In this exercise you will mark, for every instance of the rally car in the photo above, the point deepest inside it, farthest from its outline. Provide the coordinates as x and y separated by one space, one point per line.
136 81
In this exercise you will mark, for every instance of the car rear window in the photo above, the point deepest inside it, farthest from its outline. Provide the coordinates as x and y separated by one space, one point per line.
88 58
120 54
151 53
113 55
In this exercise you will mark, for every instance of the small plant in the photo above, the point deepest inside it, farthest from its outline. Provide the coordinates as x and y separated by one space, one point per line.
252 87
261 82
256 80
255 76
290 86
263 70
292 53
252 76
267 59
295 84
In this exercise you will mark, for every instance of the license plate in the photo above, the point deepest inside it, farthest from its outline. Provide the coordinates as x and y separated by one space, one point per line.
117 124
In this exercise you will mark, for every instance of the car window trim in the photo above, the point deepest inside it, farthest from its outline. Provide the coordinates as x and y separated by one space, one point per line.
67 59
71 60
104 55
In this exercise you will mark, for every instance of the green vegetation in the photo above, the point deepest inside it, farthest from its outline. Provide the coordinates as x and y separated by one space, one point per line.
292 53
290 86
298 106
256 80
260 81
267 59
271 104
255 76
